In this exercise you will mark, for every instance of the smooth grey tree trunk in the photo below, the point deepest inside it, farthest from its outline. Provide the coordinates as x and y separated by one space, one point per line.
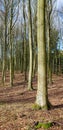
5 48
41 98
30 49
11 46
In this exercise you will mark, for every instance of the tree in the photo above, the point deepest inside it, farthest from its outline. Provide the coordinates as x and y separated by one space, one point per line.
48 12
54 37
12 23
41 98
24 39
30 47
34 33
5 14
11 46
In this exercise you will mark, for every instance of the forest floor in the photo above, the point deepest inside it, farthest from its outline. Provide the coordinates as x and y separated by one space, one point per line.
16 105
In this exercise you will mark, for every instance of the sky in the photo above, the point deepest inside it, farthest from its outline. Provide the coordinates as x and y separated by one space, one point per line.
60 9
59 4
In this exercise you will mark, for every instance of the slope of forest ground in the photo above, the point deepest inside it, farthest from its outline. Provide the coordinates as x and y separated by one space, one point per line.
16 105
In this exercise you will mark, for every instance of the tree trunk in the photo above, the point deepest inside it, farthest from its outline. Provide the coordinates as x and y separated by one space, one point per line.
25 56
41 98
30 49
47 29
56 62
11 46
4 51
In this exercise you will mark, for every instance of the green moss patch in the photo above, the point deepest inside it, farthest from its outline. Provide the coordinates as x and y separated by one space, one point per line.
43 125
36 107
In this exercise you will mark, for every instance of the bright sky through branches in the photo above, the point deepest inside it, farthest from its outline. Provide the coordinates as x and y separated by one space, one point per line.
59 3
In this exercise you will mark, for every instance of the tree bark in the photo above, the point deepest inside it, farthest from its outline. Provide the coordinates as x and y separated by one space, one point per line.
5 47
25 51
41 98
30 49
11 46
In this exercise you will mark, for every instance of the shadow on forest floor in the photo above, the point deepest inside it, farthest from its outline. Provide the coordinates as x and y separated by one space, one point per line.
57 106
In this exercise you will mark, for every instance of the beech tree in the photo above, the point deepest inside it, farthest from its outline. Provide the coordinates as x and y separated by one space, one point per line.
48 11
24 39
30 47
11 46
12 24
5 5
41 98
